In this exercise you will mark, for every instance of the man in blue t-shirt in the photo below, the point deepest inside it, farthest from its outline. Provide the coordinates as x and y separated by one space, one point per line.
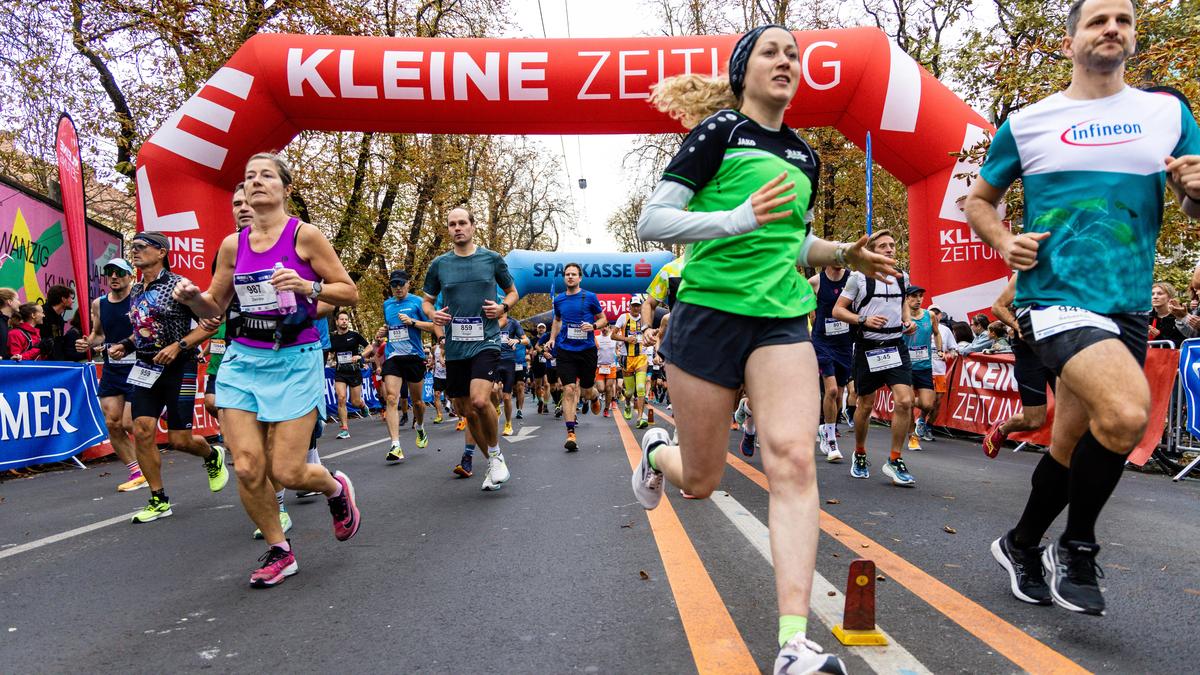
577 315
1094 161
512 345
404 360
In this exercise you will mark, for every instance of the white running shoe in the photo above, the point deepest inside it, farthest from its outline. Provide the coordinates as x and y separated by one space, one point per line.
497 473
805 656
822 442
834 456
647 483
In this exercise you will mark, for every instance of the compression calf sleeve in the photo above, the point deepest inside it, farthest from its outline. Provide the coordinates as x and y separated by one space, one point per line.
1095 472
1047 499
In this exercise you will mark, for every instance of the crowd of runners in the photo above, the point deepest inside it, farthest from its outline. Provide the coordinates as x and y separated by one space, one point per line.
731 335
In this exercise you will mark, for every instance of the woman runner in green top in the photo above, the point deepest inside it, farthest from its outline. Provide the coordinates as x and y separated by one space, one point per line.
739 192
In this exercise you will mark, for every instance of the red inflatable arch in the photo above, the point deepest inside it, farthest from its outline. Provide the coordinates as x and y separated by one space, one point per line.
278 85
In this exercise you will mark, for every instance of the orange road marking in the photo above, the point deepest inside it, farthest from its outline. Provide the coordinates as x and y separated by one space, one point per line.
717 645
1014 644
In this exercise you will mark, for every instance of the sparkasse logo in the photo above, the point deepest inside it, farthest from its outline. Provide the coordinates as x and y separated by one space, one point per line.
1090 133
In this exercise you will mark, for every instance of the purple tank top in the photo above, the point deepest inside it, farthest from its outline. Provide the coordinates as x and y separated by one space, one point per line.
252 266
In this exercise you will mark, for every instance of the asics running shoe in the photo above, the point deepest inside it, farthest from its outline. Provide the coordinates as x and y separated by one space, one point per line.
396 454
994 440
343 434
1026 576
422 438
858 468
1074 576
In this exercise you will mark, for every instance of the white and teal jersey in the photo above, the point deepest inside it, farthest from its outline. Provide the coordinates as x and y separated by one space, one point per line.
1094 178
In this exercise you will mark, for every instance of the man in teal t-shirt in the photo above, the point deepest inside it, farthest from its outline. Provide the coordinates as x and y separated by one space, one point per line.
1094 161
922 342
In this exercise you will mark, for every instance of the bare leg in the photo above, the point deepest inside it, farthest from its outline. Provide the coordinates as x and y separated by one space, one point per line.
702 413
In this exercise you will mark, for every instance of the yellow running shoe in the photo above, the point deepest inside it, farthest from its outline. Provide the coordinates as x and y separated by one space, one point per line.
437 420
462 424
914 443
133 484
508 428
422 438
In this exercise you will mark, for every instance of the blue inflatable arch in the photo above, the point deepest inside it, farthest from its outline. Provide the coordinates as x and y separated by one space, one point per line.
542 271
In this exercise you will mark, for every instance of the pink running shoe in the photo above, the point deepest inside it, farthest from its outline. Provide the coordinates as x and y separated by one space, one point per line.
344 510
277 565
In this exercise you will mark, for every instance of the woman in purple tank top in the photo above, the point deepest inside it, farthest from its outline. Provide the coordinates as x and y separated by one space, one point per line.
271 384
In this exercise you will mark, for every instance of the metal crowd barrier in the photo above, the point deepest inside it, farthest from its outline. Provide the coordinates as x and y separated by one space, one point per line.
1178 439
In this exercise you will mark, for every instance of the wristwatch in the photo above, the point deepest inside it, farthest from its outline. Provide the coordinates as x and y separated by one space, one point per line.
505 306
316 290
183 344
861 319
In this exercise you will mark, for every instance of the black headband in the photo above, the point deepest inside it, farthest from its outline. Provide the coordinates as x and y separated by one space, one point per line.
741 56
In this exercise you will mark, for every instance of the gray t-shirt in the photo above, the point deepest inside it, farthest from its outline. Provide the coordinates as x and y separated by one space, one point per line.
514 332
886 302
465 282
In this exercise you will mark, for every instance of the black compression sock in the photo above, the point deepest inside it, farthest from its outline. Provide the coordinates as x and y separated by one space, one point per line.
1047 499
1095 472
557 396
161 494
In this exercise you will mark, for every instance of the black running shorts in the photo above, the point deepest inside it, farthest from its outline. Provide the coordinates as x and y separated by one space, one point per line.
867 382
1056 350
459 373
407 368
580 365
714 345
1032 377
175 390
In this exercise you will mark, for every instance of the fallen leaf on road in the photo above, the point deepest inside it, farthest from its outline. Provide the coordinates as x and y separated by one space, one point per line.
880 578
831 593
866 546
833 501
643 575
105 474
1192 591
953 565
947 497
950 530
837 555
1115 566
629 524
895 540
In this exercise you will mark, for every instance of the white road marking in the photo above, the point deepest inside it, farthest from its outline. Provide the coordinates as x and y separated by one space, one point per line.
54 538
893 658
356 448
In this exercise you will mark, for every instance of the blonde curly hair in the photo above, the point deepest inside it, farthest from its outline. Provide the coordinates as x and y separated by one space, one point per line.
692 98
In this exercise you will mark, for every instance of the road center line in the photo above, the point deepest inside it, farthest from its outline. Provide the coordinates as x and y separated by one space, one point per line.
54 538
1011 642
716 644
827 601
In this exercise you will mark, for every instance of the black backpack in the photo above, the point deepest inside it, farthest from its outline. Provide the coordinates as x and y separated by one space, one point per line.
871 287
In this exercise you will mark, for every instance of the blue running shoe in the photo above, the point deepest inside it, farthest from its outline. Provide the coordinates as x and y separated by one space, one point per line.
898 472
748 444
463 470
858 468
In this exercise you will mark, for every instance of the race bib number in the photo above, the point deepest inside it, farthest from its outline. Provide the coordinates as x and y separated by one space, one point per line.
575 332
345 358
1050 321
520 367
255 292
605 370
883 359
835 327
466 329
919 353
216 347
144 375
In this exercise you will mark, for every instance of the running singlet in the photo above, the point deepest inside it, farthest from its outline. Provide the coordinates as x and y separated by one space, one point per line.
465 282
345 346
606 350
403 340
574 310
629 322
918 343
1093 177
114 321
825 328
259 302
724 160
510 336
665 285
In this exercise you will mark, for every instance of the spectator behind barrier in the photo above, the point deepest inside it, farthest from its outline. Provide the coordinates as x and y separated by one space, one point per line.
9 304
998 334
25 342
73 333
54 325
1167 315
962 334
983 339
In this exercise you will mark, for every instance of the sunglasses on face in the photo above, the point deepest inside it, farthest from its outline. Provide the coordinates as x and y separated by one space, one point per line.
117 273
138 248
398 284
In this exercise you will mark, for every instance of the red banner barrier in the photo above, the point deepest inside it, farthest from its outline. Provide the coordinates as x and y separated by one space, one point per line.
983 390
203 423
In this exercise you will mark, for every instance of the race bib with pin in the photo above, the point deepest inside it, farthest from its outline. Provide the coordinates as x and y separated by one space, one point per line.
255 292
216 347
466 329
885 358
345 358
144 375
1050 321
919 353
575 332
835 327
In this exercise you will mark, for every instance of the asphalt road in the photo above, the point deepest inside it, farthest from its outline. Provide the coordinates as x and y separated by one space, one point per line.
561 571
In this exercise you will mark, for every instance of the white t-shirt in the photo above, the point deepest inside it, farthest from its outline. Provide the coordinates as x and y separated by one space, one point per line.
439 365
948 344
890 307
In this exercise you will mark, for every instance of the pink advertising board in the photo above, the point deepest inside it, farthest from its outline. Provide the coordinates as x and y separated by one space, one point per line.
34 254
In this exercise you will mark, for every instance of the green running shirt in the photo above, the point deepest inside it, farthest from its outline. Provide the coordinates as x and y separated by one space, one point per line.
724 160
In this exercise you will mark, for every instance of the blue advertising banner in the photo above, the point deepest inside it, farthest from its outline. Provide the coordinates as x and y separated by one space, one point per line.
48 412
370 396
1189 372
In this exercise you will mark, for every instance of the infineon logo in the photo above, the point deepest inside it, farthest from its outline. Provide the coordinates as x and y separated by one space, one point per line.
1092 133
